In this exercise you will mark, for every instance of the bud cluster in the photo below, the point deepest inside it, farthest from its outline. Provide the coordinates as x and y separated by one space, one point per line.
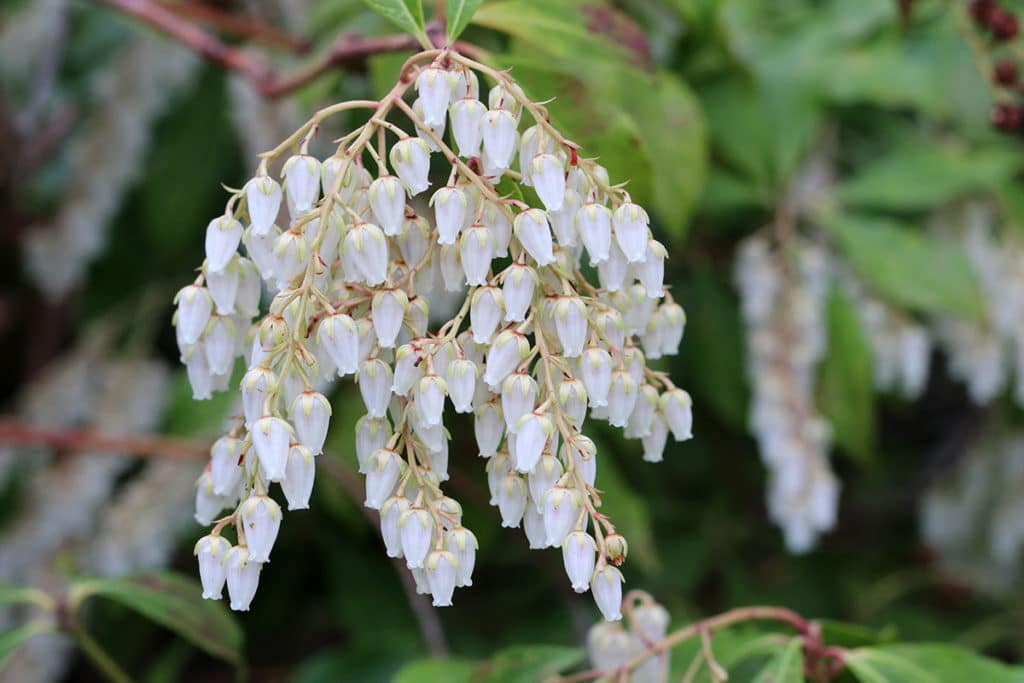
533 351
610 645
783 295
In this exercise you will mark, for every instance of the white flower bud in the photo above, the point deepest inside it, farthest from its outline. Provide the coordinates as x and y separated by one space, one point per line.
383 468
677 408
571 324
498 466
485 312
261 518
534 233
610 325
533 525
612 273
461 382
371 433
243 577
674 318
650 622
450 209
652 271
301 175
461 542
338 335
261 249
501 97
225 472
561 508
271 437
572 396
311 413
621 398
633 359
375 380
411 160
499 137
631 232
194 309
331 171
434 86
409 368
219 345
517 287
518 397
248 290
596 374
222 237
498 220
584 456
548 179
387 199
607 589
442 574
640 420
256 384
531 435
594 224
263 201
511 500
467 126
507 351
389 307
489 427
416 528
432 436
422 133
208 503
300 472
451 270
654 442
563 221
198 370
364 254
476 249
291 256
579 555
390 514
544 476
430 393
211 551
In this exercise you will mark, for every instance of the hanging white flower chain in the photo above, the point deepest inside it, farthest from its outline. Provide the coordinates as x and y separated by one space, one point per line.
354 274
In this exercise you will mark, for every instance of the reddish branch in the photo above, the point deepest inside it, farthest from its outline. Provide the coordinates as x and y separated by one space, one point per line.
347 50
14 433
238 25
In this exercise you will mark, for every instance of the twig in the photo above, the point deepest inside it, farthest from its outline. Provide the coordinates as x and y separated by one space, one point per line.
718 674
16 433
240 25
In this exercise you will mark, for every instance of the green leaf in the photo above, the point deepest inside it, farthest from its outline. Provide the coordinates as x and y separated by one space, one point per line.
530 663
405 14
21 595
846 389
927 664
920 176
853 635
175 602
926 274
430 670
459 12
12 639
787 666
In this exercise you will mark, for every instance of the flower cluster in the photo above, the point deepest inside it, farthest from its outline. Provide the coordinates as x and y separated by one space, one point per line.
610 645
783 296
534 349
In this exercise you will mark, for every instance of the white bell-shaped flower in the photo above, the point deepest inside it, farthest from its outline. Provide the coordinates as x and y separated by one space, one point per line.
532 229
208 504
389 308
485 312
434 86
300 472
450 209
387 199
677 409
225 472
529 147
518 283
621 398
531 435
461 542
476 250
499 222
371 433
498 466
594 225
507 351
271 437
579 555
612 273
596 373
467 126
584 456
243 577
409 368
257 383
453 276
533 526
499 137
390 514
410 157
561 509
222 237
198 370
461 379
224 286
219 344
511 500
416 528
383 468
263 201
331 176
607 589
650 621
631 232
261 518
563 221
364 254
248 289
675 324
548 178
195 305
291 256
465 84
430 393
311 414
544 476
640 420
518 397
429 134
375 380
442 570
489 428
572 396
261 249
571 325
338 335
655 441
211 551
651 272
301 174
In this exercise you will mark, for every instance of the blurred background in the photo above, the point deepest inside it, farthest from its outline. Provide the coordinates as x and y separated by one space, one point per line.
837 183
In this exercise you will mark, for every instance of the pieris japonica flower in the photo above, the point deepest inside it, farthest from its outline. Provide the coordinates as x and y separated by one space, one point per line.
480 301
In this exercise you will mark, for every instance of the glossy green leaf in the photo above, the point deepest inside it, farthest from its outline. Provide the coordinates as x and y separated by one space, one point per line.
530 663
175 602
846 388
11 639
405 14
431 670
458 13
921 272
787 666
927 664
